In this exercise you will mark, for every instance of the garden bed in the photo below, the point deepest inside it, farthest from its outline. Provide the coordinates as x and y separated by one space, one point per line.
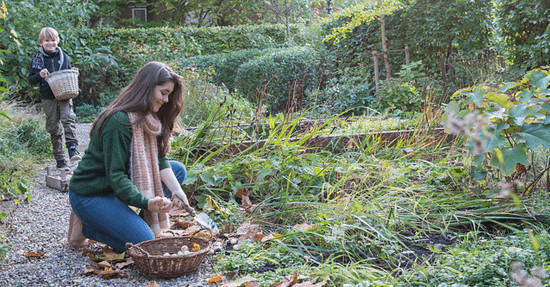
345 142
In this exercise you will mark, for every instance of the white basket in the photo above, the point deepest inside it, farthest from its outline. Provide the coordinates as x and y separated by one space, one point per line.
64 84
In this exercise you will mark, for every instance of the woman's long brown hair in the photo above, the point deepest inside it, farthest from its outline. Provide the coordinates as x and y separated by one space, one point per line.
137 97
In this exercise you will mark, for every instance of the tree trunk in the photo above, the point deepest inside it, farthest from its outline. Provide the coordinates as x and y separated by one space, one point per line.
385 48
287 20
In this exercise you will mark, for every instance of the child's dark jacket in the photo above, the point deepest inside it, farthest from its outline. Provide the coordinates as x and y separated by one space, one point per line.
53 61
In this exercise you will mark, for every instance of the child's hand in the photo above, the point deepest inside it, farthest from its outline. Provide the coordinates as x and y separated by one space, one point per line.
74 68
44 73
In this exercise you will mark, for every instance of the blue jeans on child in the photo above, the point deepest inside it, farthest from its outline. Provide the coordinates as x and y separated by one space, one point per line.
108 220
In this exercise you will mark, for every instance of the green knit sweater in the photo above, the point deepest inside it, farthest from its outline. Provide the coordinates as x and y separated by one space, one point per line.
105 166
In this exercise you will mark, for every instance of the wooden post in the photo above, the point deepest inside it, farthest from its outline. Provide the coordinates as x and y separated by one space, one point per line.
407 56
376 76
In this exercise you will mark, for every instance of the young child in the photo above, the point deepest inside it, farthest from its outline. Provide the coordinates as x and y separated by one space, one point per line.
60 118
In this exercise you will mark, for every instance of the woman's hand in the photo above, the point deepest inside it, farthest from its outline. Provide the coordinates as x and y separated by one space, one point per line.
159 204
183 203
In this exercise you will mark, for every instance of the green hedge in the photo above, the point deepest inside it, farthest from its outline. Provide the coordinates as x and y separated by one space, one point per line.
277 78
223 66
107 58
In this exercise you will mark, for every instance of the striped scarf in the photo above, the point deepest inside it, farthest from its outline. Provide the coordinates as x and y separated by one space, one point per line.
145 171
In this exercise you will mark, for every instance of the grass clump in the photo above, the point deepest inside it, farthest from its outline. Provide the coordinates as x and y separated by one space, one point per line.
24 144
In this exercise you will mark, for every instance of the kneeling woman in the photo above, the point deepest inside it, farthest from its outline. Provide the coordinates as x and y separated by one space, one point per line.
125 164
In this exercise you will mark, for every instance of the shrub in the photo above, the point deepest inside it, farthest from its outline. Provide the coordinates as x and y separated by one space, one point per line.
350 90
223 65
280 78
203 99
32 136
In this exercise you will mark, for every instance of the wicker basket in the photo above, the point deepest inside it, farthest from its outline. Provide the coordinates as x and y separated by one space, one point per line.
148 256
64 84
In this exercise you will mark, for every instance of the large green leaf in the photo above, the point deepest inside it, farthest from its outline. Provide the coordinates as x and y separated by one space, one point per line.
498 113
501 99
474 97
496 139
520 112
506 86
507 158
535 135
525 96
538 79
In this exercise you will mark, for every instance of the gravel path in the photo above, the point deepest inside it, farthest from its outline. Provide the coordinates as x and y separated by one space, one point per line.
42 225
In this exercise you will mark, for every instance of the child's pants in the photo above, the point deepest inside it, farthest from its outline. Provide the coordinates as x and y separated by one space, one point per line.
60 119
108 220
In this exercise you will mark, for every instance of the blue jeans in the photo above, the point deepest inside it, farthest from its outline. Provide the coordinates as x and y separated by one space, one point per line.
108 220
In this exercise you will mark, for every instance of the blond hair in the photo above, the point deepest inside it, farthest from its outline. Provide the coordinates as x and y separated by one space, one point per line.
48 33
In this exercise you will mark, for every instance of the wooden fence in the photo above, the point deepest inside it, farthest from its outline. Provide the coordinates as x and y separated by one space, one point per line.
375 56
460 70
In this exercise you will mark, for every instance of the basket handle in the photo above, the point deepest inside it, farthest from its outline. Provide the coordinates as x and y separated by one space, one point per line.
129 246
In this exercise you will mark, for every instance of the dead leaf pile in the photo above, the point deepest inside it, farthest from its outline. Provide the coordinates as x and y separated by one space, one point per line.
108 263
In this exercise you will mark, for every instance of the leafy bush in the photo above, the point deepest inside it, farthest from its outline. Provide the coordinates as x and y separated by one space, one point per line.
87 113
504 124
401 94
223 65
203 99
32 136
349 91
525 28
280 78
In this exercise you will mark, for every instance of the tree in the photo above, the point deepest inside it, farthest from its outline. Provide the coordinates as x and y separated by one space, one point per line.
360 14
287 11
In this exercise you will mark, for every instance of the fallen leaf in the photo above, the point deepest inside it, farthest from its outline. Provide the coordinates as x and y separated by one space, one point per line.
34 254
86 251
181 223
246 227
252 284
215 278
104 264
154 284
125 263
226 229
192 229
240 192
109 274
269 237
90 271
288 281
239 282
244 194
196 248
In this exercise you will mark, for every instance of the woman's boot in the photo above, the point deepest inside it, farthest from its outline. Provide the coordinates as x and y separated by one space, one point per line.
75 239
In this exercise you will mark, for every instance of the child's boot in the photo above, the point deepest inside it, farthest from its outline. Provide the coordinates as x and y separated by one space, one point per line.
62 164
74 155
